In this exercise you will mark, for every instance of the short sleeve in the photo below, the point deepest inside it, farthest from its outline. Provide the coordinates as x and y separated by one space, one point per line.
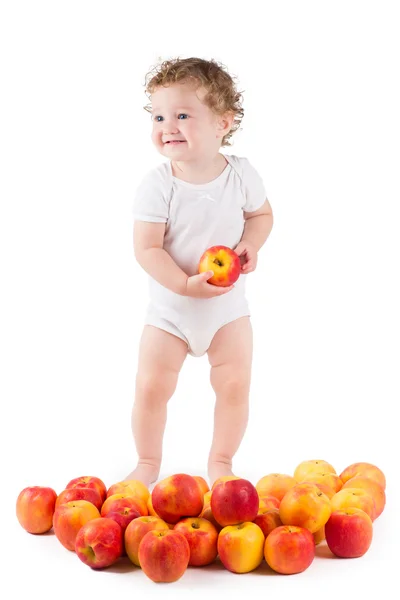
253 186
151 201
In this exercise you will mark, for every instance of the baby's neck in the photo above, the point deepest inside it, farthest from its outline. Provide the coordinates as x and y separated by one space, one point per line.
198 173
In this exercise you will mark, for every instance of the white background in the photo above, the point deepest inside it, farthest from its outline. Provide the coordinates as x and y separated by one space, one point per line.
321 99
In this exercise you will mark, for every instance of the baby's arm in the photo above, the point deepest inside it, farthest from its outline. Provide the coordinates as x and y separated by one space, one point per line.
150 254
258 225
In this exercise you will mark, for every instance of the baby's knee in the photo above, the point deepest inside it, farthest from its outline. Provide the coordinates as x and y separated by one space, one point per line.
234 389
155 387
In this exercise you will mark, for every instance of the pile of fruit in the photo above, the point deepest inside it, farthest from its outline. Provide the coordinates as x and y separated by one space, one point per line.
183 523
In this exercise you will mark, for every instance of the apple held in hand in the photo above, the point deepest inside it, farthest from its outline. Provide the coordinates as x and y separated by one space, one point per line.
99 543
35 508
224 262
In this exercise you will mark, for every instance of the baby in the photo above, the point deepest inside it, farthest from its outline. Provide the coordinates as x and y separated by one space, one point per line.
196 199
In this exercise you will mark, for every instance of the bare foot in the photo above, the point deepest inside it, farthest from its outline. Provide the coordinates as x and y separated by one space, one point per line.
147 473
219 468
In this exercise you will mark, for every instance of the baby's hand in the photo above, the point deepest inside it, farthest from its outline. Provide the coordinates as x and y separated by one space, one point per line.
248 256
197 286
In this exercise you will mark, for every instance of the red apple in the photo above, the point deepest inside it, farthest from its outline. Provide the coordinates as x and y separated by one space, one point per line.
224 262
268 520
89 481
177 496
35 508
80 493
164 555
99 543
123 515
202 537
234 501
289 549
348 532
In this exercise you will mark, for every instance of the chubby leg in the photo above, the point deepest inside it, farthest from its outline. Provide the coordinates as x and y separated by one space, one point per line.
230 357
161 356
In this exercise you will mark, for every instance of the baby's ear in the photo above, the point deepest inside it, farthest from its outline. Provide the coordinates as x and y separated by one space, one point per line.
225 122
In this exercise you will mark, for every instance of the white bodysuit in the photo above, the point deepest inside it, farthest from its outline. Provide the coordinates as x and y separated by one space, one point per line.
198 216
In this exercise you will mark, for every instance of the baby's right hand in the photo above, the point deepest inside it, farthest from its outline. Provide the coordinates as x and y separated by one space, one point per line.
197 286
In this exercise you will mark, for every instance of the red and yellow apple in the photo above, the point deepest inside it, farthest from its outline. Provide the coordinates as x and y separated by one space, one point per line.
207 513
80 493
89 481
325 489
372 487
207 498
268 520
331 480
275 484
177 496
234 501
354 498
204 487
267 502
35 508
241 547
133 487
202 538
364 469
224 262
68 518
304 505
164 555
348 532
99 543
306 467
289 549
319 535
117 502
135 532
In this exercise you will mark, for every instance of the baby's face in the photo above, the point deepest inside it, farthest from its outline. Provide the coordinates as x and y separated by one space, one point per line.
178 113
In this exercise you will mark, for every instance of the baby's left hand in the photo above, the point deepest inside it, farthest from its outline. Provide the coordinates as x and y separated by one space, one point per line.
248 256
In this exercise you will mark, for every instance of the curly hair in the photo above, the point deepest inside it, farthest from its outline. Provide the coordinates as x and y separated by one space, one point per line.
222 96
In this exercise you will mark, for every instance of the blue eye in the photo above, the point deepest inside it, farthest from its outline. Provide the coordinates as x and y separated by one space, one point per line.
160 117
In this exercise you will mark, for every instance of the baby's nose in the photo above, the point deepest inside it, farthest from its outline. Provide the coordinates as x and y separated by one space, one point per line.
170 129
